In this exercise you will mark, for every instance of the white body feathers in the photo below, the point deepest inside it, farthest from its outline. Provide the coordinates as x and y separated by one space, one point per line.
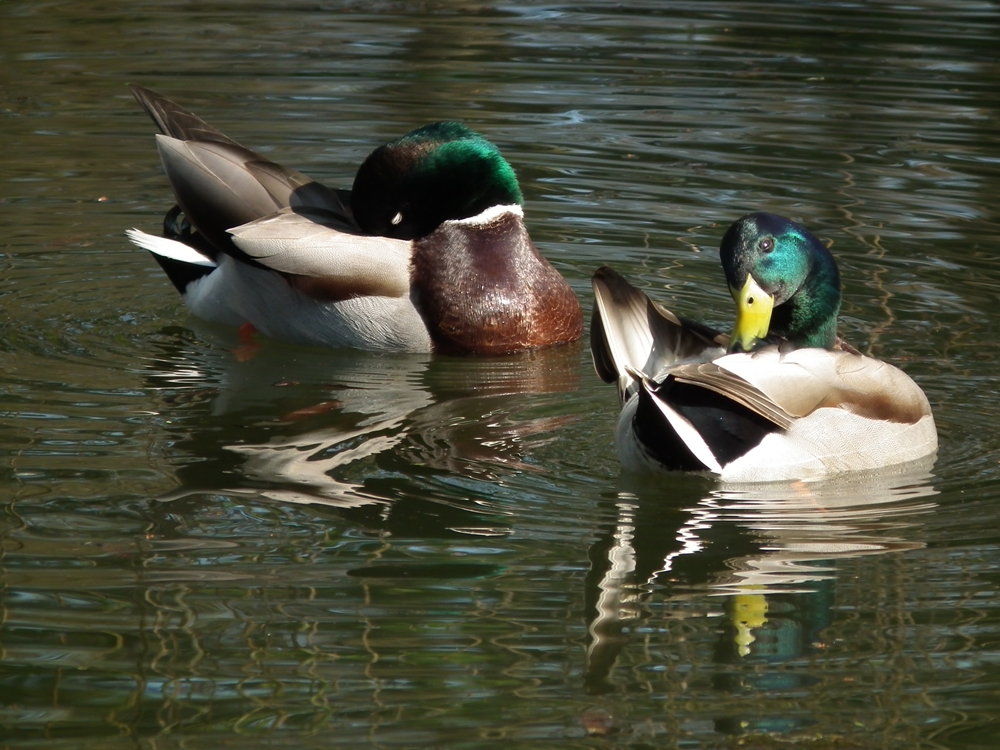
824 440
236 293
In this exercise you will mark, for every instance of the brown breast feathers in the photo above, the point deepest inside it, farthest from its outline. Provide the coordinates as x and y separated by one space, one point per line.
483 288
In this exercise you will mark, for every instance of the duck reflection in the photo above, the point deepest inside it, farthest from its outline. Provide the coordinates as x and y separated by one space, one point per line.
767 553
364 435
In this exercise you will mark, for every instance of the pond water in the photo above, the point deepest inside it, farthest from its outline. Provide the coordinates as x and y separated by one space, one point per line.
207 544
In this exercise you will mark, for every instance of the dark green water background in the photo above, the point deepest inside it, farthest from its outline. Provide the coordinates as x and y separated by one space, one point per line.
205 545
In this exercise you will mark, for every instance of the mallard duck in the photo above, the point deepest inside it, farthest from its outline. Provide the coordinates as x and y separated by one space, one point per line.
427 252
781 398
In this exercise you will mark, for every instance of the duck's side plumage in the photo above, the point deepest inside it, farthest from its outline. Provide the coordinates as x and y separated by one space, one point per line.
778 412
804 413
427 252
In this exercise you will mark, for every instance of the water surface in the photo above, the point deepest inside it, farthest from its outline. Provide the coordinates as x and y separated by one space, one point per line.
207 544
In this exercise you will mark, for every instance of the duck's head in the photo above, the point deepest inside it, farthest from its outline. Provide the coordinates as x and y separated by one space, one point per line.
407 188
785 283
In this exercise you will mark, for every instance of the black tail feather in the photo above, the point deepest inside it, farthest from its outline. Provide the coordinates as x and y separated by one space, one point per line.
180 273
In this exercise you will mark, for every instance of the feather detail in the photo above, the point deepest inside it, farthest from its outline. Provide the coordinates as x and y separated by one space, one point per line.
324 262
685 430
167 248
173 120
630 332
198 170
803 380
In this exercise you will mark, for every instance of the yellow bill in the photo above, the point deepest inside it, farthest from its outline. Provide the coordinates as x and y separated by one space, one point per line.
753 314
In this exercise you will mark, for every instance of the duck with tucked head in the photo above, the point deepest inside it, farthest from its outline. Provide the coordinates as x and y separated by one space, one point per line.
427 252
782 398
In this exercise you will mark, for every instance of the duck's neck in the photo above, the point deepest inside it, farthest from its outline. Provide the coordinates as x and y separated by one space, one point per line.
809 317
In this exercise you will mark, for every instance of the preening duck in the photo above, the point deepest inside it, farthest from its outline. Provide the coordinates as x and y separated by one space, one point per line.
782 398
426 252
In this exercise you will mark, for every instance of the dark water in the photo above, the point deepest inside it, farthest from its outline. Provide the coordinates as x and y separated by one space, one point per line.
205 544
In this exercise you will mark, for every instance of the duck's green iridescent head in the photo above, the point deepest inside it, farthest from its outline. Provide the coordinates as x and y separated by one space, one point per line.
406 188
785 283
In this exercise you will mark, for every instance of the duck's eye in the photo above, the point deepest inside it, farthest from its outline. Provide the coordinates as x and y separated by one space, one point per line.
766 245
397 218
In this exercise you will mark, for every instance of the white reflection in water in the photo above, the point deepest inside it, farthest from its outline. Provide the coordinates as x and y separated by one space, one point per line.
804 527
426 426
748 544
307 460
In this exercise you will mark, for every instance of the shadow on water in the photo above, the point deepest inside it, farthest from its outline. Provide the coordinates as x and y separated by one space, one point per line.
767 553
